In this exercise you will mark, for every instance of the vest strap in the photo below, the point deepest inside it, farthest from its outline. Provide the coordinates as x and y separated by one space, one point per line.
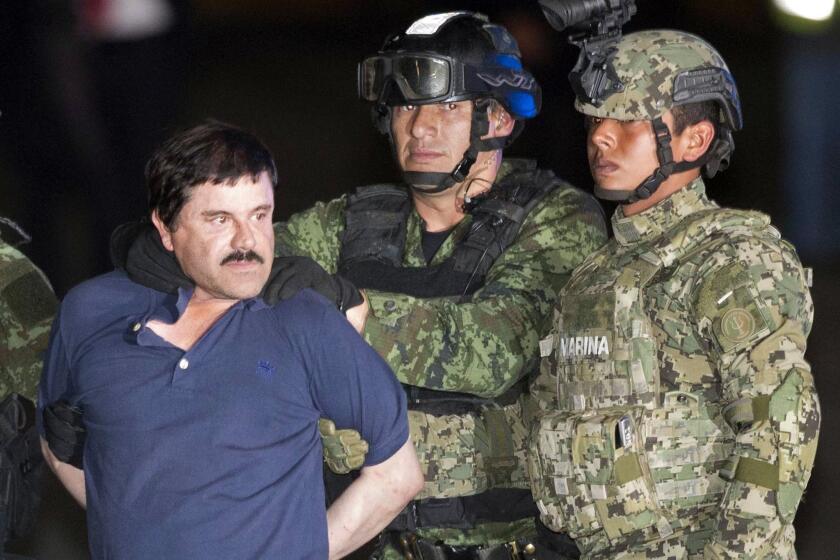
753 471
747 411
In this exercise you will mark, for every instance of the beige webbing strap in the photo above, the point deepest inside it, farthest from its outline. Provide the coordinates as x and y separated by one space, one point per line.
753 471
747 411
502 461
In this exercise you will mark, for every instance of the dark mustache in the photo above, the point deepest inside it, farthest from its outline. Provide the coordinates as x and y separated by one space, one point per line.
240 256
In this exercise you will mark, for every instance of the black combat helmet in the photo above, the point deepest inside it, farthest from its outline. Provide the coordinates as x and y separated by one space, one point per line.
450 57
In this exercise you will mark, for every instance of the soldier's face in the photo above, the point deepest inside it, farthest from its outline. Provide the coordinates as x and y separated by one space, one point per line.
622 154
223 238
431 138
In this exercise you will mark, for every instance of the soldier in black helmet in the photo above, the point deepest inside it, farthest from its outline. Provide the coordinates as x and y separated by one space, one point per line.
459 265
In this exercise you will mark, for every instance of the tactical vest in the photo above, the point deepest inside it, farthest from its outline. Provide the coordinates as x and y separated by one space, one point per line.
371 257
614 460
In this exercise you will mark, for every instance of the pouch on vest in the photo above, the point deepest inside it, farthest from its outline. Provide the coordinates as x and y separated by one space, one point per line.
592 475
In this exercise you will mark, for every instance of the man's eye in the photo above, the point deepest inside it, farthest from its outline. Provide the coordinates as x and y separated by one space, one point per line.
260 215
452 106
220 220
407 107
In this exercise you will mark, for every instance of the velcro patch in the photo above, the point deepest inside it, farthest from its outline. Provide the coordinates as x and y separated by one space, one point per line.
30 299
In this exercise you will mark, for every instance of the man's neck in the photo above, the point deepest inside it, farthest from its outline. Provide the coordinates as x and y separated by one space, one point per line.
201 313
674 183
443 211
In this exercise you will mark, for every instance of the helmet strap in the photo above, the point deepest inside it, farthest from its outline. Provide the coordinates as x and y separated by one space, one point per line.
431 182
667 167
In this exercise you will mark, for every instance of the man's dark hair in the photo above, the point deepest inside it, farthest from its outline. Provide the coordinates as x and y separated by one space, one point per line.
693 113
213 152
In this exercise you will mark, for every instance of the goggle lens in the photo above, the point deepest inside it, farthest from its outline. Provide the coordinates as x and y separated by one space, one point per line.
419 78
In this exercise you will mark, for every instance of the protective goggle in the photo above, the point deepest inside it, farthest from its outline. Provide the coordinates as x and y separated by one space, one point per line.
420 78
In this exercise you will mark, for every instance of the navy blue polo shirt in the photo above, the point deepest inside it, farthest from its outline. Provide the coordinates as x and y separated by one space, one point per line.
214 452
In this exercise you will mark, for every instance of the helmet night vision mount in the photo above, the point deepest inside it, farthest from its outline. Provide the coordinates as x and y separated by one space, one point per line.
598 24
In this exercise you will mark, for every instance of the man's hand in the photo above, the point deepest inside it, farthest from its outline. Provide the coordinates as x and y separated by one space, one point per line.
65 432
289 275
137 249
373 500
344 450
72 478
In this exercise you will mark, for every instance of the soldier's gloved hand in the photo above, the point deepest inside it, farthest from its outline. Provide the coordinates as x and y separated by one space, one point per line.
289 275
65 432
344 450
137 249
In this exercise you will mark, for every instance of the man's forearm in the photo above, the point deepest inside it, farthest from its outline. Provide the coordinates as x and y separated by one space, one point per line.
72 478
373 500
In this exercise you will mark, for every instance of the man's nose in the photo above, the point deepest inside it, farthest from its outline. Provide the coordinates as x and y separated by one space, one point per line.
602 134
244 239
424 122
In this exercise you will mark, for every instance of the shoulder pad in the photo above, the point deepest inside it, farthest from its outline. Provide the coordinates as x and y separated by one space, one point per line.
699 228
24 288
12 233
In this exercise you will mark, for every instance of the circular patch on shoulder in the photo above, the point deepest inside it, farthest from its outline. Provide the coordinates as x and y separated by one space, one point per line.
737 324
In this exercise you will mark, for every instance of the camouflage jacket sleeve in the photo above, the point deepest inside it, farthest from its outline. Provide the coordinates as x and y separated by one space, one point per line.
314 233
484 345
27 306
754 308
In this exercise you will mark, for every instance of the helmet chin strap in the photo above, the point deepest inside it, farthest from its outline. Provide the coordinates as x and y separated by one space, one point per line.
431 182
667 167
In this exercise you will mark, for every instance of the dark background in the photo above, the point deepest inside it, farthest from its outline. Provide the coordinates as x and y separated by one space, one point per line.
81 114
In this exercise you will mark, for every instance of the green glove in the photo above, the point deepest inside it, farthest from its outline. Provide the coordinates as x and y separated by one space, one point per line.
344 450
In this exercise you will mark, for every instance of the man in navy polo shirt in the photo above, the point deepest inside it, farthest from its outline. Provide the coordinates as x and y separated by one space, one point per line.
201 407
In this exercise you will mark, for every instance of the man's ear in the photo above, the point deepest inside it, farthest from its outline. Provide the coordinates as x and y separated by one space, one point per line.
165 233
501 123
699 137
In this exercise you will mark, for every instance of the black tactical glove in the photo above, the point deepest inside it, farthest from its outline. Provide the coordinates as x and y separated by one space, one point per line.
289 275
65 432
137 249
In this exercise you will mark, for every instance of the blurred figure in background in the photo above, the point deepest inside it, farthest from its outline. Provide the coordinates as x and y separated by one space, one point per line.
89 88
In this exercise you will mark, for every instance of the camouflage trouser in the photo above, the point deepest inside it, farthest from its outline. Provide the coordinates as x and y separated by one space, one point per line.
482 535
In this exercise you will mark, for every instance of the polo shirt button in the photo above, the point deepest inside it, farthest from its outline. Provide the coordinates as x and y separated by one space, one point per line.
136 327
390 305
184 363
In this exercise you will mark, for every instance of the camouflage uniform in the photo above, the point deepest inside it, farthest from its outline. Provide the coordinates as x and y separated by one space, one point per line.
27 306
482 346
678 352
677 414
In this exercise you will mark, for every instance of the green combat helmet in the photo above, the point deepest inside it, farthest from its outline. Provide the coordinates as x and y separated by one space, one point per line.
648 73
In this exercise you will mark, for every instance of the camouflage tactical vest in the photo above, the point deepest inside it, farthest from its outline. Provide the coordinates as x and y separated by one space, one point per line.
486 479
614 459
